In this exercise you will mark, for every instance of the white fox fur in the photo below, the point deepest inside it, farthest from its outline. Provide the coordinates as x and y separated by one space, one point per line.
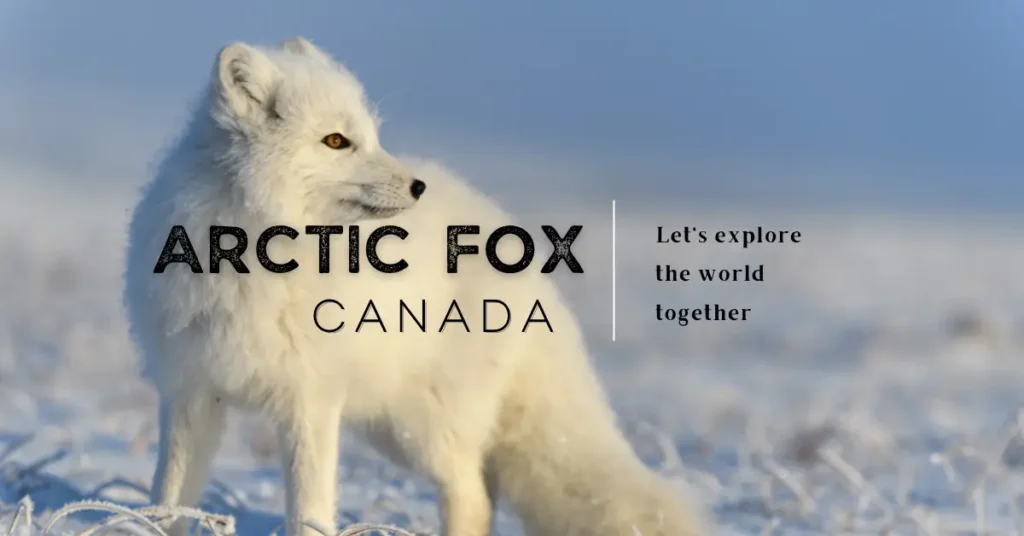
520 416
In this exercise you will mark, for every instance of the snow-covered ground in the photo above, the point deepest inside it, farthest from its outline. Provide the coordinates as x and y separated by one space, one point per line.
875 384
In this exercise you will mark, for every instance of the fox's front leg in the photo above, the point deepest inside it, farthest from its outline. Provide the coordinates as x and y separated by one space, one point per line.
191 426
309 435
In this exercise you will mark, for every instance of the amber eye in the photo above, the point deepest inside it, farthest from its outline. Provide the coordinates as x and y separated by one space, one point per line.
336 141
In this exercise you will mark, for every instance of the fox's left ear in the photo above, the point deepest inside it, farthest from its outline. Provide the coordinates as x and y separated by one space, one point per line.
301 45
246 79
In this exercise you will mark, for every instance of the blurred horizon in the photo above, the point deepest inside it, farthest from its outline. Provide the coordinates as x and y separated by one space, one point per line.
801 105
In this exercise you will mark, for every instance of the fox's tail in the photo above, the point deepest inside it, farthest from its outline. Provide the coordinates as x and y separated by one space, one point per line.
565 467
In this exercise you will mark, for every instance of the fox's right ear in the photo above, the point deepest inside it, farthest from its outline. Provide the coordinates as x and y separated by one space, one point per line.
246 79
301 45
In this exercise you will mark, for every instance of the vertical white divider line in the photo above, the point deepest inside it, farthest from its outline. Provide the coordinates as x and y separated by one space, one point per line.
613 271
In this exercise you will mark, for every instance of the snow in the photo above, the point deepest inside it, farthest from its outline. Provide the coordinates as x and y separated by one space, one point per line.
875 383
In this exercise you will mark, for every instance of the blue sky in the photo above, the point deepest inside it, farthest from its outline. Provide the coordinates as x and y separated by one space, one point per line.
877 103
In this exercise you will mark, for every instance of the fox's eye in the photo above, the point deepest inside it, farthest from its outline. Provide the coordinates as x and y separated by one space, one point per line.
336 141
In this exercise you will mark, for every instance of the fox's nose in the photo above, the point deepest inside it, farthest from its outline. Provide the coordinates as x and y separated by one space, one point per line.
417 188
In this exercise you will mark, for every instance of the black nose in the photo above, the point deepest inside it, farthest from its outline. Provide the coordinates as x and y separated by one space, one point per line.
417 188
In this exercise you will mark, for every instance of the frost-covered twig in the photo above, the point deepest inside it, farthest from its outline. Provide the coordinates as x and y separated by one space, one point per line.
861 486
24 511
361 529
783 476
125 513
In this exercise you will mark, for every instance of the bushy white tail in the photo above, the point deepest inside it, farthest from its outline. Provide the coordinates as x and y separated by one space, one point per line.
568 471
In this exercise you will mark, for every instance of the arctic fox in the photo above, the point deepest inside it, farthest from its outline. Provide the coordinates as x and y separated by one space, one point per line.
285 137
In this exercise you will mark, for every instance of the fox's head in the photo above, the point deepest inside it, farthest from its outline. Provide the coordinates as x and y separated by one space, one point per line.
301 139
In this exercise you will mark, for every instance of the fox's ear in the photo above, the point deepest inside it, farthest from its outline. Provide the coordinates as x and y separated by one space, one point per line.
246 79
301 45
